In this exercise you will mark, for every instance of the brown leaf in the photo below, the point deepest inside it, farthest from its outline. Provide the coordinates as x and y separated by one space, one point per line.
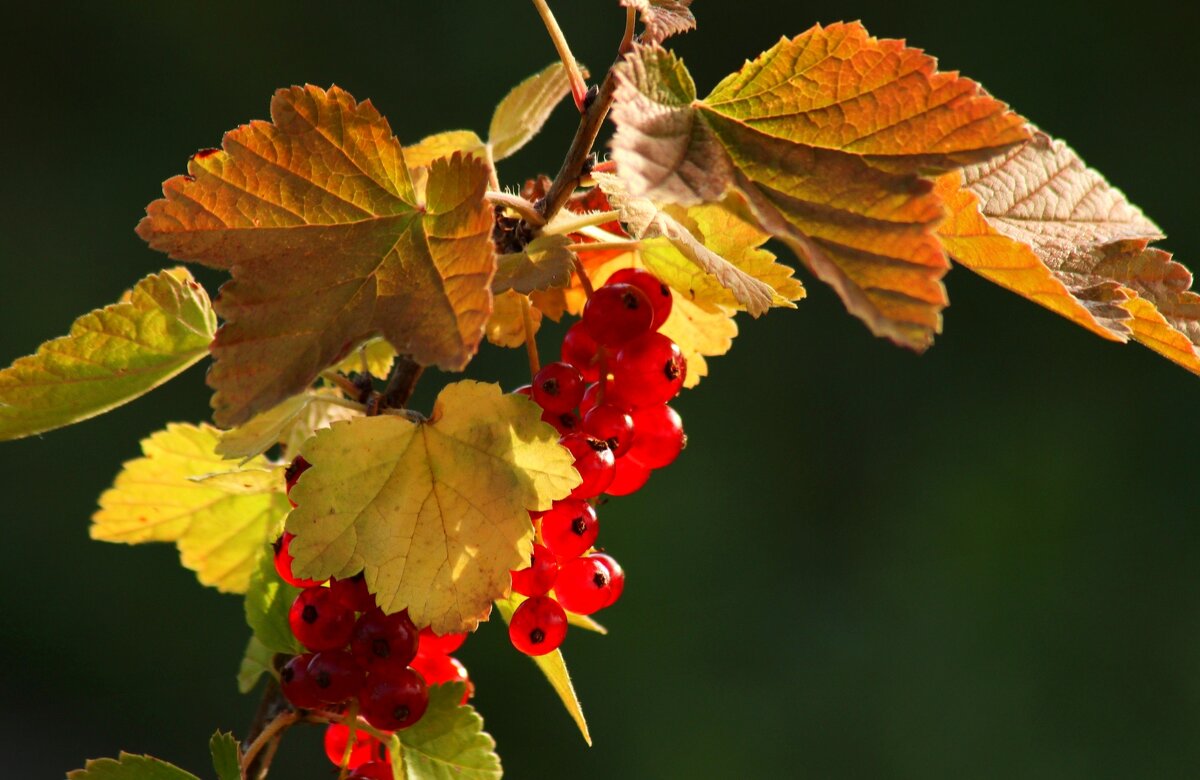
663 18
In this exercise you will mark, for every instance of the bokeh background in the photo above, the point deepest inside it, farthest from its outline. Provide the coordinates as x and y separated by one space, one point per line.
982 562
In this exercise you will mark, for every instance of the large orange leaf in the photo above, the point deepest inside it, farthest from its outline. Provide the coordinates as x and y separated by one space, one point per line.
828 136
329 242
1041 223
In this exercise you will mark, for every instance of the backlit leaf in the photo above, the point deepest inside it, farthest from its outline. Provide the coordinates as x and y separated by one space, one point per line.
506 327
435 512
226 756
378 355
1039 222
826 136
523 111
291 422
256 661
129 767
663 18
112 356
317 219
219 532
448 742
268 600
545 263
554 667
431 147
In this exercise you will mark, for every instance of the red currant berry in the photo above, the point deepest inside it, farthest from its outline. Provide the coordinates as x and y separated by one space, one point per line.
283 563
335 675
659 439
380 640
319 620
616 576
558 387
352 593
291 475
536 579
649 370
364 749
584 586
656 292
296 685
594 462
616 313
538 626
565 422
612 425
440 644
394 700
376 770
440 669
629 478
569 530
525 390
579 349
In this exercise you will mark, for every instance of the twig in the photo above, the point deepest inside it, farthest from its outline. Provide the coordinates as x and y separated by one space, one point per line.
343 384
518 204
630 23
577 223
598 245
584 281
535 363
578 85
402 382
252 769
573 167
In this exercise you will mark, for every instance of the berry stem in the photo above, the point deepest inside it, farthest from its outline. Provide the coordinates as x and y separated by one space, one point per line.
342 383
518 204
273 729
584 281
598 245
531 349
574 75
630 24
574 224
352 724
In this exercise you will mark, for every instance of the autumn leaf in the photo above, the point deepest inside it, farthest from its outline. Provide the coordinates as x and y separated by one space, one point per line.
826 136
663 18
523 111
111 356
506 327
1041 223
129 767
376 355
317 219
444 144
554 667
220 525
291 423
544 263
434 512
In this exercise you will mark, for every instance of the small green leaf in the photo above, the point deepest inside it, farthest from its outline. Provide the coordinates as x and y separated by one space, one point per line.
555 669
129 767
226 756
111 356
268 600
524 110
546 263
448 742
257 661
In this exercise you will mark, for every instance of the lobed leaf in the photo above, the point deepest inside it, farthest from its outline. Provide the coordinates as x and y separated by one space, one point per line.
545 263
111 356
554 667
376 354
1041 223
448 742
506 327
826 136
663 18
226 756
129 767
329 243
290 423
523 111
219 528
434 513
444 144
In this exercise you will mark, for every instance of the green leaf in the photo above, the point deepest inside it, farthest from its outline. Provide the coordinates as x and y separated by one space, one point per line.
448 742
546 263
555 669
523 111
268 600
220 528
257 661
226 756
112 356
291 423
129 767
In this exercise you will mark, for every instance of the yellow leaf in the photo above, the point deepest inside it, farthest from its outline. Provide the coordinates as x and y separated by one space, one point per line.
377 354
431 147
506 327
112 356
434 513
219 527
554 667
290 423
524 110
544 264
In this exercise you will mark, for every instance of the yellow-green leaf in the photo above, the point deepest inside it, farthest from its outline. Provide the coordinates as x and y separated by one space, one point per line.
523 111
290 423
554 667
376 354
111 356
316 217
434 513
431 147
219 532
544 264
448 742
129 767
256 661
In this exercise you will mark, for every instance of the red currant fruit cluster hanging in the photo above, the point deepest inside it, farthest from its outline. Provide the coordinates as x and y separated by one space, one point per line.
356 652
608 399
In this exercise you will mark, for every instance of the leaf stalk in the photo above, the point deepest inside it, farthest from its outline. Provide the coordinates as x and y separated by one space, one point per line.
574 75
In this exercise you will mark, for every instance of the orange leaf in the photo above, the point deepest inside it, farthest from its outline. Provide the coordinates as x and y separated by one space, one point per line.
329 242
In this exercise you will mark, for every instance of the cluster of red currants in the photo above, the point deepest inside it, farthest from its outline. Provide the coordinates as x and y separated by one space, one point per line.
356 652
608 399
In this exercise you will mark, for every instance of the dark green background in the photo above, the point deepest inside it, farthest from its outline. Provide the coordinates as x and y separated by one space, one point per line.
981 562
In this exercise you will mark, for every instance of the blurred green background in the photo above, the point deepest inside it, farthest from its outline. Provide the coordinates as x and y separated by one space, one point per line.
981 562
